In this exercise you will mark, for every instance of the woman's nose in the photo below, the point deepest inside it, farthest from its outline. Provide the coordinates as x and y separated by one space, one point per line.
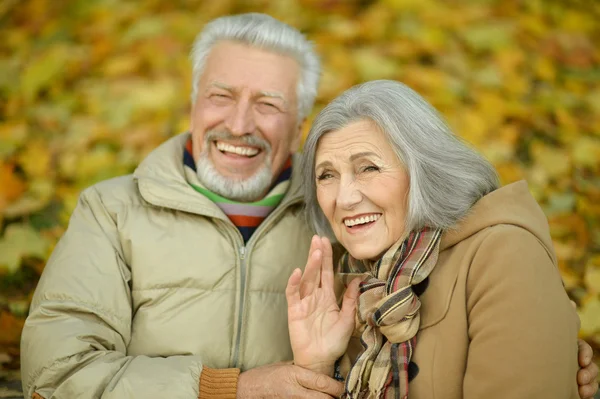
349 195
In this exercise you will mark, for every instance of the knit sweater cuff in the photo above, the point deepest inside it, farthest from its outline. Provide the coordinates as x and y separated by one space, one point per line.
218 383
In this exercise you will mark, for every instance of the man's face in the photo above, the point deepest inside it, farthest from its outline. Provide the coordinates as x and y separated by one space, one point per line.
244 123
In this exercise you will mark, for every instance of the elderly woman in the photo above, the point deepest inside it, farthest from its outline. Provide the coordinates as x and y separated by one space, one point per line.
459 295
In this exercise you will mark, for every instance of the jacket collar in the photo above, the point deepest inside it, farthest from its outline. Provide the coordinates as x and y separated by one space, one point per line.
161 181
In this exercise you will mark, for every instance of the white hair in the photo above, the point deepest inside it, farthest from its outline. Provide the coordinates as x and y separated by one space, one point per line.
446 176
264 32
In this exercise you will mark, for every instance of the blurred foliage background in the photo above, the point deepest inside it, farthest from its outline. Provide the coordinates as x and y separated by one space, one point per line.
89 87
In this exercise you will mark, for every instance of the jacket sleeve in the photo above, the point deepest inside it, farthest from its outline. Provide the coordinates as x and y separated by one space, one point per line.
74 342
522 328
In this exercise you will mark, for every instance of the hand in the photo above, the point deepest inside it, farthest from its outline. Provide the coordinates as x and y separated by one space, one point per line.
587 375
319 330
286 381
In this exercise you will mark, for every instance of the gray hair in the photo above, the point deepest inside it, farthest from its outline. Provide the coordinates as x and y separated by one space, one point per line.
446 176
264 32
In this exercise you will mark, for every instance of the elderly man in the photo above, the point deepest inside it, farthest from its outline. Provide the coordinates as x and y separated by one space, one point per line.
169 282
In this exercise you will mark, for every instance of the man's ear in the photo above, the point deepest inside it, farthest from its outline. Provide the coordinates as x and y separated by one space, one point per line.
297 139
192 107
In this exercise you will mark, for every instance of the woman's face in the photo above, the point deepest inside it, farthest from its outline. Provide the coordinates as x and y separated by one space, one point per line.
362 188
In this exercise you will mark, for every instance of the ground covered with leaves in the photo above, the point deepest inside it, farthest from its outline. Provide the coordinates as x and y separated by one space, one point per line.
89 87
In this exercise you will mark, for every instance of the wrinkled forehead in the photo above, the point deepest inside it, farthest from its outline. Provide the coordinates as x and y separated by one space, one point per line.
239 66
352 141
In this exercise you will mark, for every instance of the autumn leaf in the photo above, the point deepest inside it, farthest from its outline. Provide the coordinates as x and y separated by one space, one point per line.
11 187
20 241
10 329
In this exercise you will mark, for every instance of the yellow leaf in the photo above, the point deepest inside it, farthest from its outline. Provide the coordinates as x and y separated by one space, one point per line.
35 160
592 275
121 65
489 36
545 69
371 64
36 198
553 162
43 71
586 152
19 241
472 126
510 172
589 314
12 135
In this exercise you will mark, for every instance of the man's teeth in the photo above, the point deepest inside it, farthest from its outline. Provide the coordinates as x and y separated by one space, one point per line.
362 220
247 151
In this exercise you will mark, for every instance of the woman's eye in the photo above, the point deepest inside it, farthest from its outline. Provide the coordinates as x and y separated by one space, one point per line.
324 176
370 168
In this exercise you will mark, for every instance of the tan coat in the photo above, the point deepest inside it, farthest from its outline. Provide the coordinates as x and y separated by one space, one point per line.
152 281
495 319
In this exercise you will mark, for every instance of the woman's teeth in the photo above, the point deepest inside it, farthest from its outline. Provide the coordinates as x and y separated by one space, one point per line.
361 220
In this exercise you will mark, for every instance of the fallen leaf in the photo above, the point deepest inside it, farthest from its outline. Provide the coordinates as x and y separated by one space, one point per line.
19 241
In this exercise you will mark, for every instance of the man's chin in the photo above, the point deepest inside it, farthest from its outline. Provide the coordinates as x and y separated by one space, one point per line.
236 176
245 188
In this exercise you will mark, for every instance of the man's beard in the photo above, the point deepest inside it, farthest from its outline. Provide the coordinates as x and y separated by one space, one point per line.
242 190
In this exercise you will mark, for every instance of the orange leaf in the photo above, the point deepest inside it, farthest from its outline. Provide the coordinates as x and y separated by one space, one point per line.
11 187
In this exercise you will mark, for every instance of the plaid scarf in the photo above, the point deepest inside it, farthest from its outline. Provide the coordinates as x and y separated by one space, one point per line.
388 314
246 216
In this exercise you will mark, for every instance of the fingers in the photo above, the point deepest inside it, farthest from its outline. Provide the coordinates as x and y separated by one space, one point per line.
292 290
585 353
350 299
312 272
586 379
319 382
587 374
588 391
326 264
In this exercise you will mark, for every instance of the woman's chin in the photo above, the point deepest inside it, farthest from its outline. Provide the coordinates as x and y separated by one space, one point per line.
365 253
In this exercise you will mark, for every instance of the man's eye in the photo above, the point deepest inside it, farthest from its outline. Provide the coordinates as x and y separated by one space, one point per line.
220 98
267 107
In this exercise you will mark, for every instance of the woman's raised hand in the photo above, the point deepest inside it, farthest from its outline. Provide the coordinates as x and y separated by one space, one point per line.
319 329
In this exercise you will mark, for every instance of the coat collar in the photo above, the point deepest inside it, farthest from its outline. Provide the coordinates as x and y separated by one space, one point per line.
161 181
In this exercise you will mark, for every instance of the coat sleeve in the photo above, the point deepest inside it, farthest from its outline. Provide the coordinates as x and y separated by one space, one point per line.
75 339
522 327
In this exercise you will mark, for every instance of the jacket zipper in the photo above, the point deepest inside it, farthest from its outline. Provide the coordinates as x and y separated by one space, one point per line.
244 255
238 338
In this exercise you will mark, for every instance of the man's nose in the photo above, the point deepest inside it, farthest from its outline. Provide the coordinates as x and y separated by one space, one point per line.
349 194
241 119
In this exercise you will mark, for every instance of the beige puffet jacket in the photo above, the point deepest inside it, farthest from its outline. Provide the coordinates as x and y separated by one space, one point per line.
151 281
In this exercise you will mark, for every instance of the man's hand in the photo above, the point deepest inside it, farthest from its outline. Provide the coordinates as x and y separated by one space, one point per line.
319 329
588 373
286 381
587 376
